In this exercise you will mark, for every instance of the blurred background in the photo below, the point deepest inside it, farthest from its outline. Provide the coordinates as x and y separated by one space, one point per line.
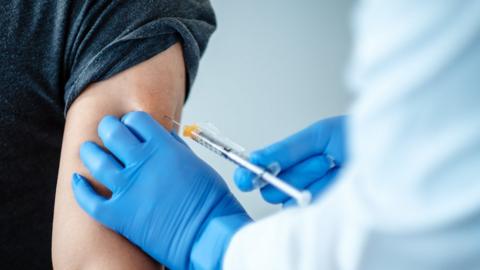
272 68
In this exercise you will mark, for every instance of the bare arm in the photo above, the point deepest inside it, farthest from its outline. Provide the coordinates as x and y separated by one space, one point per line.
156 86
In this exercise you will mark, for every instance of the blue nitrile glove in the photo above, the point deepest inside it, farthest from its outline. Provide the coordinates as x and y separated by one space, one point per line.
309 159
164 198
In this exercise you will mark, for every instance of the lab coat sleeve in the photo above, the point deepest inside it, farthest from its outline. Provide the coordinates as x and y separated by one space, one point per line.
288 240
410 197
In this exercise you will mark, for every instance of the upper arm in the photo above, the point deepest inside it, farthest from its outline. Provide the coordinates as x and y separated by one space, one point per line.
156 86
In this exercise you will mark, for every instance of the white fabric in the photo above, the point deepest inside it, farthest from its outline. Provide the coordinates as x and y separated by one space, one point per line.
410 198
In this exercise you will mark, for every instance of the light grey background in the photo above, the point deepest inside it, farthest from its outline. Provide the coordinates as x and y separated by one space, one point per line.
273 67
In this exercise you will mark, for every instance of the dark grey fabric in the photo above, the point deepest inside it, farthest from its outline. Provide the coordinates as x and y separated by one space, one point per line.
49 52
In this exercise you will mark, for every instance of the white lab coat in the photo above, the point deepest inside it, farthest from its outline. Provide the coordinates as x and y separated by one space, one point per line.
410 198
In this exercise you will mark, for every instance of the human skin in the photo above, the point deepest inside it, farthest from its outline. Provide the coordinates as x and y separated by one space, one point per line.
156 86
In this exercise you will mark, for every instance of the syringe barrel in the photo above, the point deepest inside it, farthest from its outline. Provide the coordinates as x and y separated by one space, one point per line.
302 198
221 148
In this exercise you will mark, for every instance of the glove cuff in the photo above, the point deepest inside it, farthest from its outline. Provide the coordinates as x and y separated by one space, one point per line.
208 250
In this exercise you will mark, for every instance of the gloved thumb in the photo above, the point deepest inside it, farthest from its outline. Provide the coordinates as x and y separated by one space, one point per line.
248 181
88 199
243 178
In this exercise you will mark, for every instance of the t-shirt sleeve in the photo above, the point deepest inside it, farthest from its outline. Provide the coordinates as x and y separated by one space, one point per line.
107 37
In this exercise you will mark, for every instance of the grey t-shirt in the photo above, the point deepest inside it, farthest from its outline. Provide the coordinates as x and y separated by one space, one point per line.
50 50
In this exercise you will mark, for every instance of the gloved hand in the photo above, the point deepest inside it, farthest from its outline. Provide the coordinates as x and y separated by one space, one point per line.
309 159
164 198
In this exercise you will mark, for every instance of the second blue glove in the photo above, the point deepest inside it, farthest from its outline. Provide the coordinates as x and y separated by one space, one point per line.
310 159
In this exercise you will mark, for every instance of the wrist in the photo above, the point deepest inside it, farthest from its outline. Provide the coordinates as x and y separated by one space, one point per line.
209 248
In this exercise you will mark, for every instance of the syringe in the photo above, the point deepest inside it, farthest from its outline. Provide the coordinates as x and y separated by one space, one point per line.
223 147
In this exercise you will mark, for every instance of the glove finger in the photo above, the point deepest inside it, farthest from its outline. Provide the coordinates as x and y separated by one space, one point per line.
308 142
102 165
118 139
317 188
243 179
299 176
247 181
87 198
144 125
